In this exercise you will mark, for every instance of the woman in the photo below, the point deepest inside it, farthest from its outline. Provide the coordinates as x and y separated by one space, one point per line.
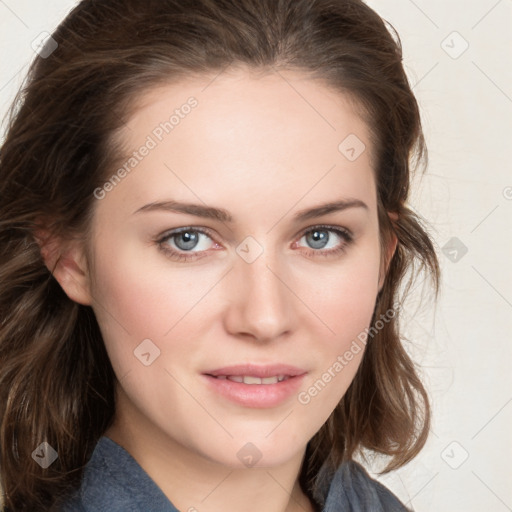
204 228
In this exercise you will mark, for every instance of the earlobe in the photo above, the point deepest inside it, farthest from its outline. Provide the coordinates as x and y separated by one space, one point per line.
68 265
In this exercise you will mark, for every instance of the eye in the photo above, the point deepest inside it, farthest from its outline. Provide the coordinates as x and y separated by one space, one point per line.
323 243
185 240
187 243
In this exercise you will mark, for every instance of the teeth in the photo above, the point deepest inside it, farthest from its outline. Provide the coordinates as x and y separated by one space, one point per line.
252 380
247 379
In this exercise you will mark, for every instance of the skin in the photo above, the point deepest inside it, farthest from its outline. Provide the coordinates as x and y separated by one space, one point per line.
262 151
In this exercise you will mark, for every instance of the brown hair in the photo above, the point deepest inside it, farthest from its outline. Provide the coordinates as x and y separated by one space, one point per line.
56 381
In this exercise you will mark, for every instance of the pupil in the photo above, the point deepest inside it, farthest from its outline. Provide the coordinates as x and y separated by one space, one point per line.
187 240
319 239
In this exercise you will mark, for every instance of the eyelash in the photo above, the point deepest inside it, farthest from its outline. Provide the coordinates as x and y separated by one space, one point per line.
186 256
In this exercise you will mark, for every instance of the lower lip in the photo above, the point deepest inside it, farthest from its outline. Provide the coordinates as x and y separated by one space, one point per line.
256 395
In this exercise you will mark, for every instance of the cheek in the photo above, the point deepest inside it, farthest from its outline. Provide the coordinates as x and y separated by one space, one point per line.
342 297
343 302
140 294
128 302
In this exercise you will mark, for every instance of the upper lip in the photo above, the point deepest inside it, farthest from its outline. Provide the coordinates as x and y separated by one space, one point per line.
254 370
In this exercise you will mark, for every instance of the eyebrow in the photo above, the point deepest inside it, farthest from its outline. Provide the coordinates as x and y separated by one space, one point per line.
210 212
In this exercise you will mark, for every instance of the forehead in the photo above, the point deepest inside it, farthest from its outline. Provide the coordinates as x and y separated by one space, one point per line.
251 133
262 102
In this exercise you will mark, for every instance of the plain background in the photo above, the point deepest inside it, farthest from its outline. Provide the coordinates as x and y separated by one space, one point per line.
457 55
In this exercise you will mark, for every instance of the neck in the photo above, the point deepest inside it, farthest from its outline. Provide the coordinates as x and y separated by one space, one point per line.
194 483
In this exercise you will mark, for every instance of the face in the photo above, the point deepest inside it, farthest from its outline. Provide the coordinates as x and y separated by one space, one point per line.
246 285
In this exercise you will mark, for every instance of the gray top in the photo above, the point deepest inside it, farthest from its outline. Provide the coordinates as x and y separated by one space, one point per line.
113 481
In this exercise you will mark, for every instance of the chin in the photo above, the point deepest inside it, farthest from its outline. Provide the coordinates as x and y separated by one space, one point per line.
257 454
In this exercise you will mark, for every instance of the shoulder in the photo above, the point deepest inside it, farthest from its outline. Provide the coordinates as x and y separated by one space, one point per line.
113 481
351 488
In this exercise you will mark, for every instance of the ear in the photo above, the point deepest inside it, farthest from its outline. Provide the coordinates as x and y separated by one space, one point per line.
389 252
68 264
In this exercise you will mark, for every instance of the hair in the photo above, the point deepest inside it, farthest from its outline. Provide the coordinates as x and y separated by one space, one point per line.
56 380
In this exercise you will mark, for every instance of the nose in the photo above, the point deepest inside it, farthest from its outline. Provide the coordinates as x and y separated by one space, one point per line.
260 302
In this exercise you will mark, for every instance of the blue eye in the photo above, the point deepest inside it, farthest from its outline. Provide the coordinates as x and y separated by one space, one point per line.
320 239
184 239
188 244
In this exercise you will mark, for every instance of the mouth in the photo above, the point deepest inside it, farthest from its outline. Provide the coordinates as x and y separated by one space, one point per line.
249 379
256 386
256 374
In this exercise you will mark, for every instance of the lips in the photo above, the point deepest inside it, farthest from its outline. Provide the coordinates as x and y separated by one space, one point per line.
250 379
256 386
251 372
